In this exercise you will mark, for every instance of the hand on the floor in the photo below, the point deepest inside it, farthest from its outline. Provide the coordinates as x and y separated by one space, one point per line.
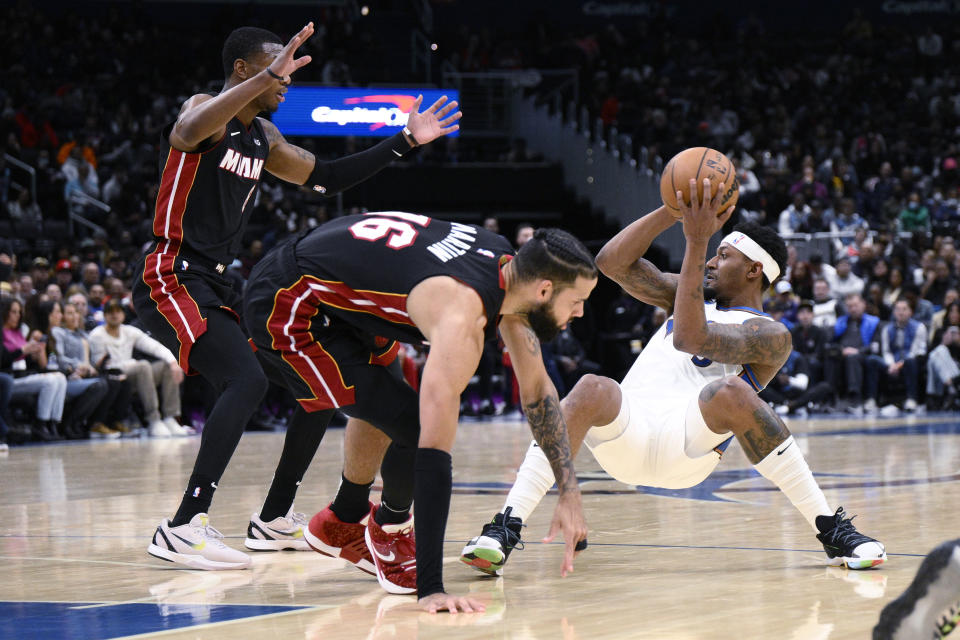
568 518
446 602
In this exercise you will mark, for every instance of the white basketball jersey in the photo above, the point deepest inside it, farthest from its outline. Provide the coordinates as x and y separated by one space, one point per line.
664 371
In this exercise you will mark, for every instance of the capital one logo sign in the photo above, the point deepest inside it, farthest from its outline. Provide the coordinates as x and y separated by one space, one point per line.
376 116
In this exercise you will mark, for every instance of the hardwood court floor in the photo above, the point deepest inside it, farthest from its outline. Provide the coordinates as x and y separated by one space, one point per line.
729 559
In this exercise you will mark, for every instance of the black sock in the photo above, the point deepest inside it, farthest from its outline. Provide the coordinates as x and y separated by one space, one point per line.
196 499
397 470
352 501
433 483
386 514
303 437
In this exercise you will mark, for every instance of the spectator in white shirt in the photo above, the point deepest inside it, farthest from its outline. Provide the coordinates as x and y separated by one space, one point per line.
902 342
843 281
116 341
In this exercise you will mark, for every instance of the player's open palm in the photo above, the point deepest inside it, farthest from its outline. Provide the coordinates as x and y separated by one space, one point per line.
701 218
285 64
436 602
435 121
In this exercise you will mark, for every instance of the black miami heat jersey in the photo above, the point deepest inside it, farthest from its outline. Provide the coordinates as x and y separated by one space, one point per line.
206 197
361 268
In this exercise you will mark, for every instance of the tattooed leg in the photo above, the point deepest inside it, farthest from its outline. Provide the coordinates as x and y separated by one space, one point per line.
731 406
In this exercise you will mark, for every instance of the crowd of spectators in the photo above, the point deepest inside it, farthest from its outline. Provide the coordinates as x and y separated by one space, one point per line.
853 140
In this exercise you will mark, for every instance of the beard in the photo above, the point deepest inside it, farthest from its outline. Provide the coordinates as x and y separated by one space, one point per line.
543 322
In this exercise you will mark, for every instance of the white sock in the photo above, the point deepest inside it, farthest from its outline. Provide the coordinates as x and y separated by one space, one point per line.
534 479
786 468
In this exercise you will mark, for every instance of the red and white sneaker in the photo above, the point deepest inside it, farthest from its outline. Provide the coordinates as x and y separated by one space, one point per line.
331 536
394 551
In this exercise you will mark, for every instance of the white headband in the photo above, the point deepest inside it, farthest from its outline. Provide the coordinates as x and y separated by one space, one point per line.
748 247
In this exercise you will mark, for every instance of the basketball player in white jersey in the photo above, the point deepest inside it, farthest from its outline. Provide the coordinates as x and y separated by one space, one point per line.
692 389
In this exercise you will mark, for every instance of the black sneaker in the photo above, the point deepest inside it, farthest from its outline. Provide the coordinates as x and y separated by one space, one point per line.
847 546
488 552
930 606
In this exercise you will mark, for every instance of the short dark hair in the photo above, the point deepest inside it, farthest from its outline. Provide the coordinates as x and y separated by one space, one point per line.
770 241
555 255
244 42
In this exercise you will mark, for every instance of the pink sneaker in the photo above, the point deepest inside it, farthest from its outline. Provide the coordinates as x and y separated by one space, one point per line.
394 552
331 536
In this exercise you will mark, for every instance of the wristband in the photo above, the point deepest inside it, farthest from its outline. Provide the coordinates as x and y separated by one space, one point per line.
410 139
273 75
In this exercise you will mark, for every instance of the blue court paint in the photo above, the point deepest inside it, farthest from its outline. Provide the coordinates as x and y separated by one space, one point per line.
63 621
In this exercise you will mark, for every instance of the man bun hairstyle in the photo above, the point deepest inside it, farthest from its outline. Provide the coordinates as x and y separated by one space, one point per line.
770 241
555 255
244 42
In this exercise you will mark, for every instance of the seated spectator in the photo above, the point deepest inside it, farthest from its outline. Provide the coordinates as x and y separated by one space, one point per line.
809 340
826 308
922 309
810 182
846 223
874 300
915 216
893 288
943 373
572 358
818 219
853 351
948 317
86 392
26 360
112 344
903 342
802 280
787 299
791 390
73 355
95 300
937 282
792 217
819 268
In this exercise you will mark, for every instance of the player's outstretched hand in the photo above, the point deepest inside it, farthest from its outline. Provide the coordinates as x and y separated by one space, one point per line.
568 518
435 121
285 64
446 602
701 218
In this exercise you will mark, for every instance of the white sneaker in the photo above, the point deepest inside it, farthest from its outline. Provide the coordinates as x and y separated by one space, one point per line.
4 447
158 429
196 545
285 532
782 409
910 405
870 406
175 428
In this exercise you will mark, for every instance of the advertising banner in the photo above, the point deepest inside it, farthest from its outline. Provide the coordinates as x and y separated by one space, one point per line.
338 111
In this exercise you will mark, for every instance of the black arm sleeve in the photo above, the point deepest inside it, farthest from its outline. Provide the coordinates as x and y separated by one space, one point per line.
330 178
431 505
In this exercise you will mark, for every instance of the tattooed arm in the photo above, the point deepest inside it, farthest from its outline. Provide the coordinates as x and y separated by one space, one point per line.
621 260
763 344
540 399
542 406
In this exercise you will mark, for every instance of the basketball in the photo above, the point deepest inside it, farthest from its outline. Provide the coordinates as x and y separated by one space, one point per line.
698 163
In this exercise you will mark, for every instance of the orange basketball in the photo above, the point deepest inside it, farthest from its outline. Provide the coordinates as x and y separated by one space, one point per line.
698 163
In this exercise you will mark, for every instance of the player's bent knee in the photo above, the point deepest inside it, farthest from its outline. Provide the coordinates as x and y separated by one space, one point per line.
729 391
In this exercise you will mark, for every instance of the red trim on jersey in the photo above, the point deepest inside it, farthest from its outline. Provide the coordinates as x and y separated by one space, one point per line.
385 358
173 300
176 180
289 327
391 307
